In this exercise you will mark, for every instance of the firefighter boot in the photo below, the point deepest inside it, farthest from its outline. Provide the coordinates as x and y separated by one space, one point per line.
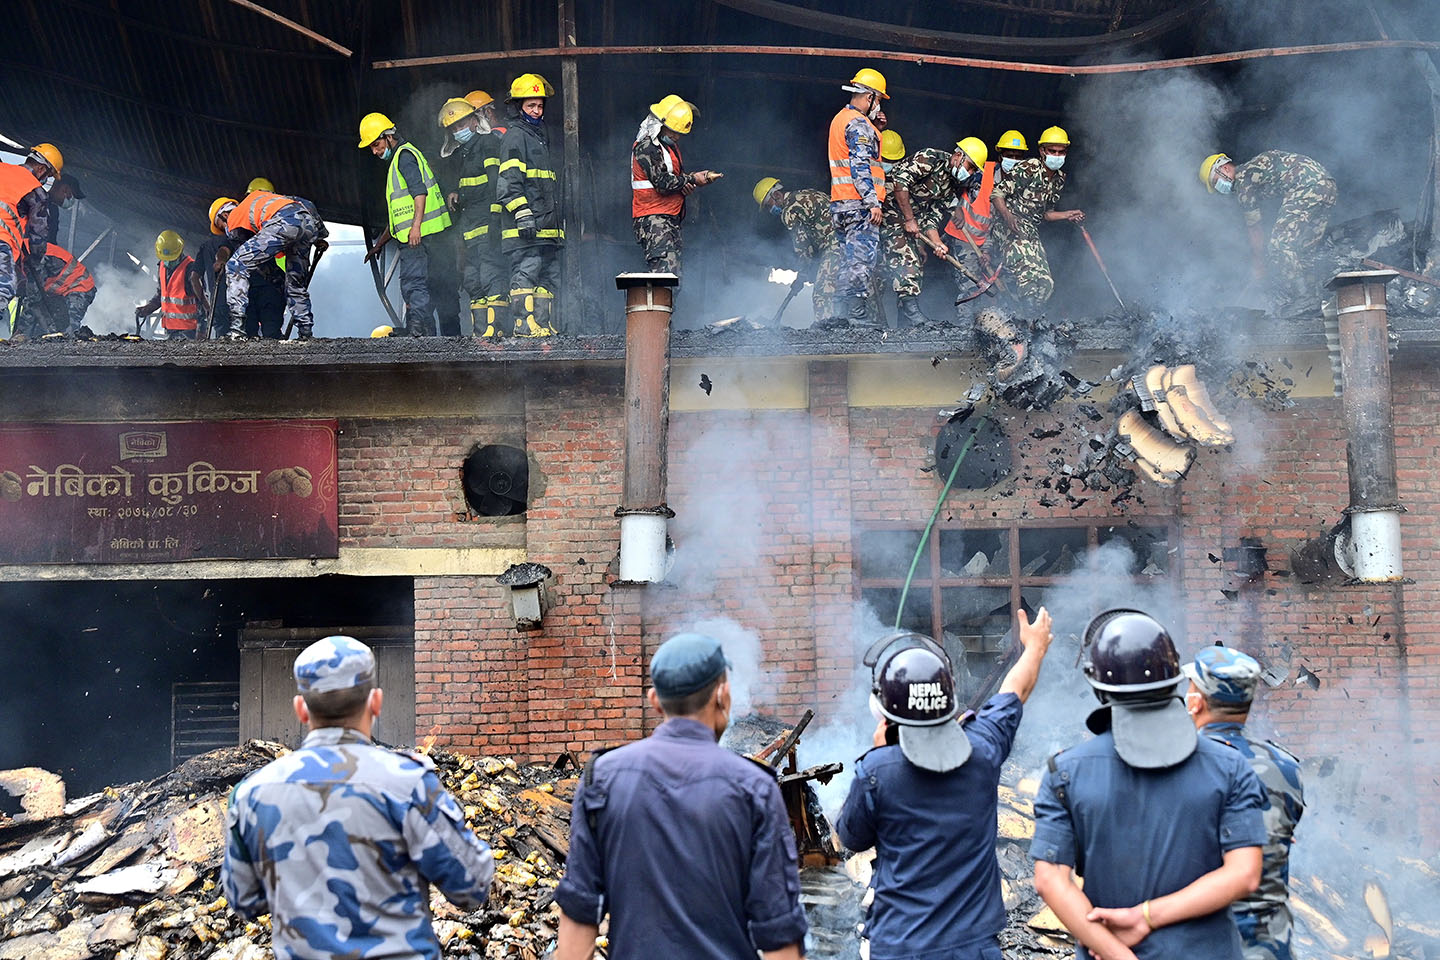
522 309
488 317
541 326
910 315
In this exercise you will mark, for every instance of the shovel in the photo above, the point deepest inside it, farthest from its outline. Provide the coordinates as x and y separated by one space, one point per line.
981 286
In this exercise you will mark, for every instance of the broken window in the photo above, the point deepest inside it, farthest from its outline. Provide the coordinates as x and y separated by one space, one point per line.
984 573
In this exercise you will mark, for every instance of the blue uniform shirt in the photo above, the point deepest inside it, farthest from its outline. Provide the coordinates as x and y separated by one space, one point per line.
937 883
1138 834
691 851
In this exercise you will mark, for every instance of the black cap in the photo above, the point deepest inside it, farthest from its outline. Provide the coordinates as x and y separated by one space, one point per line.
74 184
685 663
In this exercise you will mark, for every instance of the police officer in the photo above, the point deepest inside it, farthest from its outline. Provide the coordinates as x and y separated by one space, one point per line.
857 193
262 228
928 804
1164 825
686 845
338 840
1222 686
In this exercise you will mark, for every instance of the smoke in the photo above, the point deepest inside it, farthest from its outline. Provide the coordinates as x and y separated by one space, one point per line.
118 290
748 681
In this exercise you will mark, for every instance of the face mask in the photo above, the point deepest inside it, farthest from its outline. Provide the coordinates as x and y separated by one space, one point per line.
68 204
1054 162
464 134
666 139
1223 185
874 110
777 211
886 165
389 151
1008 163
961 174
533 121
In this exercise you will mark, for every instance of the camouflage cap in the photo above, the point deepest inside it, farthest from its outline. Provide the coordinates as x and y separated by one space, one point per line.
335 663
1224 675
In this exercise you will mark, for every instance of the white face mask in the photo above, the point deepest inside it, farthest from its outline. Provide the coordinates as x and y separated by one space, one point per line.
1054 162
874 110
1008 163
1223 185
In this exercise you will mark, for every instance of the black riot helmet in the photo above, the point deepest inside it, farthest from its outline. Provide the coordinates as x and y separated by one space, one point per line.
1131 663
900 640
915 690
1129 655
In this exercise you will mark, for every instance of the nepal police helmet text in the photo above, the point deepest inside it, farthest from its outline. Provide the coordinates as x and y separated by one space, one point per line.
915 690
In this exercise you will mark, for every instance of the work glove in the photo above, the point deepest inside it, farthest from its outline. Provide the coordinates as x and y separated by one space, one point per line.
525 224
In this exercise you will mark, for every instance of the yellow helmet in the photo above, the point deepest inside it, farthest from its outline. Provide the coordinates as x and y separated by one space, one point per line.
667 102
169 246
1011 140
478 98
680 118
215 209
530 85
455 110
871 80
891 146
974 148
763 188
49 154
1054 135
1207 169
384 330
372 127
260 183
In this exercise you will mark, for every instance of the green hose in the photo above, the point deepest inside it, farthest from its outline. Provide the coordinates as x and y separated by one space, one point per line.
925 537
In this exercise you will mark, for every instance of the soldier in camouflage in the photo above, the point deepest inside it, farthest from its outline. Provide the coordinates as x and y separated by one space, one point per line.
659 186
806 214
923 190
1026 195
340 840
1222 687
1301 193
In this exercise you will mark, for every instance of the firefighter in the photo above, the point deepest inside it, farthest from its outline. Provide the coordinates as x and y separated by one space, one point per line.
659 186
529 194
494 267
806 214
1164 825
1301 193
685 844
1011 148
24 221
927 804
179 294
69 290
466 132
265 226
892 150
857 193
1222 687
1025 197
416 219
655 116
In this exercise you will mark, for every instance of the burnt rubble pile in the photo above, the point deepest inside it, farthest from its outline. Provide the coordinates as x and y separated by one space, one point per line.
132 872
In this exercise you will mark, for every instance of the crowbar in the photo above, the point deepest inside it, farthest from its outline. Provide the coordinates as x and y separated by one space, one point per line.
1100 263
1407 274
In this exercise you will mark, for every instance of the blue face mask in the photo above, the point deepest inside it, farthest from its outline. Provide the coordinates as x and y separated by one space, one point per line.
776 211
666 139
464 134
1223 186
1008 163
1054 162
389 152
533 121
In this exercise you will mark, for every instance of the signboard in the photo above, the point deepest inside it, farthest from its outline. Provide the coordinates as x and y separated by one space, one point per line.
157 492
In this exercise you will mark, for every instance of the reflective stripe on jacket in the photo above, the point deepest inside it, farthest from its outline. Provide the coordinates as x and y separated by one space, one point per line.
257 208
644 198
178 310
527 182
974 214
16 183
402 204
842 184
72 276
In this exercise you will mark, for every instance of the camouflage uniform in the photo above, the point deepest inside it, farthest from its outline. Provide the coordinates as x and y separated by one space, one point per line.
1029 191
340 840
858 237
1229 677
807 217
926 175
659 233
1304 192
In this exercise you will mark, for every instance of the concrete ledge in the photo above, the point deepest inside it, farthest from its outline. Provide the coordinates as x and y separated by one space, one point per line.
353 561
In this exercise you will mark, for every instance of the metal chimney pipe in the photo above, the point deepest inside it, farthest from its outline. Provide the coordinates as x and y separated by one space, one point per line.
649 299
1373 546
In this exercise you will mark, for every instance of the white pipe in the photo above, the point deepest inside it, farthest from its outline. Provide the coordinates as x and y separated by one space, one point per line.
1375 546
642 548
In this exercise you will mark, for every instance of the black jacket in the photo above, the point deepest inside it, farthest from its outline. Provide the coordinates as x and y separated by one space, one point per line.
528 181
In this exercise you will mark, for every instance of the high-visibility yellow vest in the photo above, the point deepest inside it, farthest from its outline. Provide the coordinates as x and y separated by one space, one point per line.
402 204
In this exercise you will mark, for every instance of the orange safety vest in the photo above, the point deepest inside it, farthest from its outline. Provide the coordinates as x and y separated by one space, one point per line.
252 212
72 278
644 198
842 187
974 213
178 310
16 183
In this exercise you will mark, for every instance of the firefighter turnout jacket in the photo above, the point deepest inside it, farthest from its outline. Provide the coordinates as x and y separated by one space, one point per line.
475 190
528 187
